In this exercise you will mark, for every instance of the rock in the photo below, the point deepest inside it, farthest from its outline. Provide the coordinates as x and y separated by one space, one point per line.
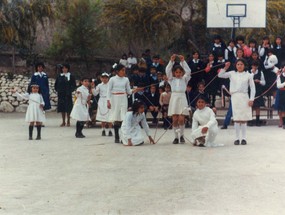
6 107
22 108
3 94
11 98
53 95
15 103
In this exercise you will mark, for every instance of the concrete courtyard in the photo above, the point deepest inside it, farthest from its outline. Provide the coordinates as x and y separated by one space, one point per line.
62 175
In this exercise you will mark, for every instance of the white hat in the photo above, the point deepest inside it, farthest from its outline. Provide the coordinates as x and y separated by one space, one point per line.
105 74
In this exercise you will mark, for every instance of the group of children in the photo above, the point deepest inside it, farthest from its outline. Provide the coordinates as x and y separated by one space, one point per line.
113 105
176 90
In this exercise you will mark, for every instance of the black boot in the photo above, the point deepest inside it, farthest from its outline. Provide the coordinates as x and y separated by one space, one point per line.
81 128
283 118
78 133
31 128
164 124
39 128
117 126
257 122
77 129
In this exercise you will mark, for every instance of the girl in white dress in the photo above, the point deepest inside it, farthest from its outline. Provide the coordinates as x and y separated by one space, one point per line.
204 125
178 77
240 81
103 112
35 112
131 131
117 101
80 108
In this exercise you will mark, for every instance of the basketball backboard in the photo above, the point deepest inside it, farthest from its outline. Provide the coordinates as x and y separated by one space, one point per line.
251 13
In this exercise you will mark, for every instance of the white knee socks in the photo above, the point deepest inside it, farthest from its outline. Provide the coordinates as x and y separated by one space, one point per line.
182 127
174 130
242 127
237 128
243 131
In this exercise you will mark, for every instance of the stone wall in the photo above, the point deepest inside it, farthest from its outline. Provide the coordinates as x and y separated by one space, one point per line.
8 100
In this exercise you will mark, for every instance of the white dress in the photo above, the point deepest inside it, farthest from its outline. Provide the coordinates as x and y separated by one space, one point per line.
204 118
131 128
178 104
80 108
117 92
34 112
102 112
239 84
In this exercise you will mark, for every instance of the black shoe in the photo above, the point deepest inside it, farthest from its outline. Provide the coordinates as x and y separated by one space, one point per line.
30 138
224 127
110 134
103 133
283 126
79 136
117 141
175 141
182 140
236 142
39 128
243 142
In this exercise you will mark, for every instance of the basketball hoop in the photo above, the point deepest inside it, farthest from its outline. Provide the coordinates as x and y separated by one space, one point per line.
236 12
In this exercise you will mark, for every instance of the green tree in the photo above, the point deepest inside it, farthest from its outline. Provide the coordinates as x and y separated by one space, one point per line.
19 21
79 30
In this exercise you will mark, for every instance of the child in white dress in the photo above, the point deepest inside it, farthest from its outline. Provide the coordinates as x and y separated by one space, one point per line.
204 125
103 111
131 132
178 78
35 114
80 109
240 82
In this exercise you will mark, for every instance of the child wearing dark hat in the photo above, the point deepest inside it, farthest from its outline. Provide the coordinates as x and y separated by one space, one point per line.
35 113
64 85
41 79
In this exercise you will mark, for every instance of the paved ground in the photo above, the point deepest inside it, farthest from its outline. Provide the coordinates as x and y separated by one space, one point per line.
63 175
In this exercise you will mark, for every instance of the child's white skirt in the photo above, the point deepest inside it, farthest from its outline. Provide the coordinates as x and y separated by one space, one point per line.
178 104
119 107
102 112
137 136
80 112
241 110
35 113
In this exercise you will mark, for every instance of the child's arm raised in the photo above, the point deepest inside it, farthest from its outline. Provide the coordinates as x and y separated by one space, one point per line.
168 69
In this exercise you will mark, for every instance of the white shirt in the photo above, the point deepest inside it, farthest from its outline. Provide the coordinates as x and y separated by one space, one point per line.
239 82
279 84
261 50
231 49
124 62
101 89
270 61
67 75
131 61
178 84
204 117
132 120
118 84
82 97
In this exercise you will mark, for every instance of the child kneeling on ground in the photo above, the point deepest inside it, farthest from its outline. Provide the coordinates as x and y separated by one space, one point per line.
204 125
131 132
